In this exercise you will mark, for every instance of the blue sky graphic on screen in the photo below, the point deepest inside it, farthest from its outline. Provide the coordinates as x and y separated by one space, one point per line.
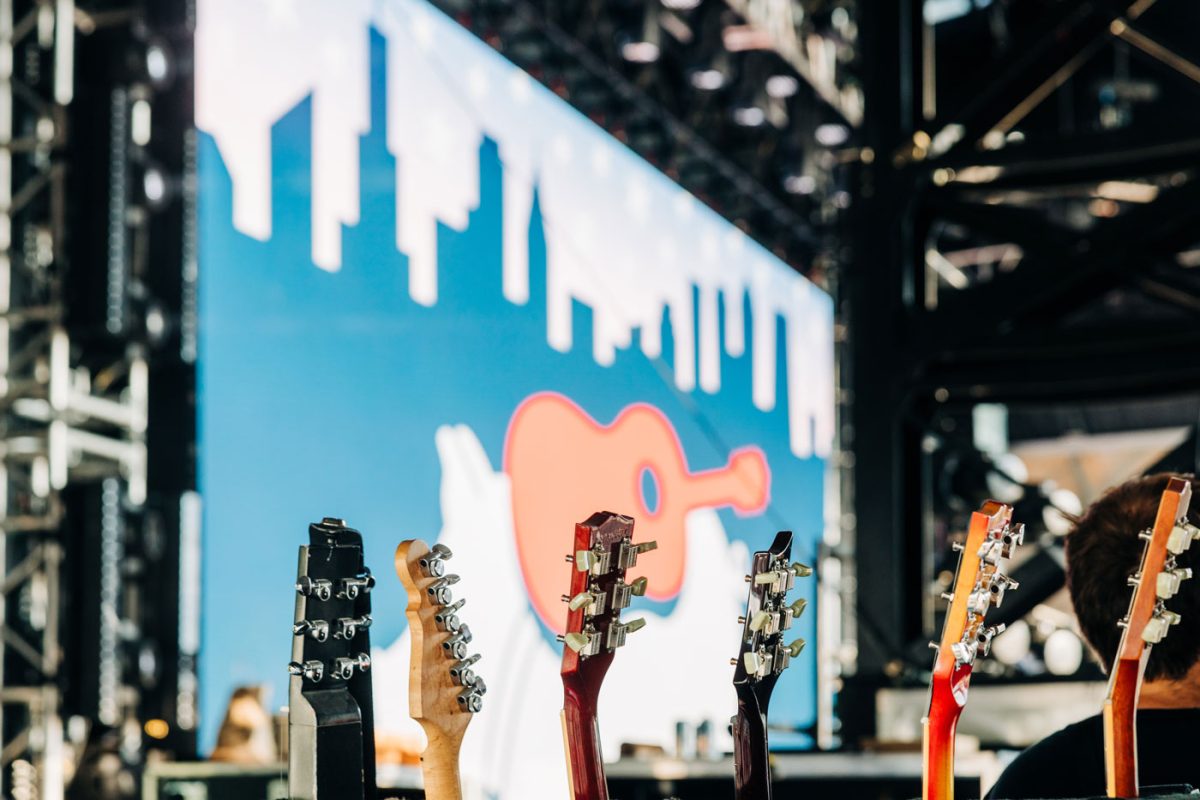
440 303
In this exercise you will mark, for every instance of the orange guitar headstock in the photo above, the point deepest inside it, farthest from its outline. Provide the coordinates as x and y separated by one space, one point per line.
1158 579
444 691
980 583
604 552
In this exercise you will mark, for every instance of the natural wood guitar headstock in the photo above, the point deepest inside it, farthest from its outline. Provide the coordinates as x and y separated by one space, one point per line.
444 691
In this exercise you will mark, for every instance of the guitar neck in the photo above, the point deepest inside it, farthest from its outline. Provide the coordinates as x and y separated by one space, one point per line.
938 751
585 765
439 766
751 765
1120 727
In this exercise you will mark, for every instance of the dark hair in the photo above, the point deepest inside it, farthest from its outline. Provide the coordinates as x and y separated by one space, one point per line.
1103 550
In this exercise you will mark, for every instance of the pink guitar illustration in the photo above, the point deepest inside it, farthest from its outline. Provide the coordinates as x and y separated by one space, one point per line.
563 464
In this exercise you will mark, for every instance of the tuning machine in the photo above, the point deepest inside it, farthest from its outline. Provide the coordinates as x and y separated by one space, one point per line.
461 672
583 643
456 645
627 554
352 587
343 668
1169 580
348 627
1182 536
439 590
471 698
310 670
433 563
1158 625
447 618
318 629
321 588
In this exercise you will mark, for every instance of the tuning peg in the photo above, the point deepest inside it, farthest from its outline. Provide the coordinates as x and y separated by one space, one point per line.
432 567
759 620
934 646
584 560
957 546
581 600
1181 537
439 590
321 588
1146 535
752 662
343 668
798 607
576 641
947 596
634 625
471 700
749 579
441 551
733 662
741 620
312 670
795 648
1168 582
351 587
461 673
1158 625
764 578
801 570
1134 579
446 619
986 635
318 629
456 645
348 627
638 587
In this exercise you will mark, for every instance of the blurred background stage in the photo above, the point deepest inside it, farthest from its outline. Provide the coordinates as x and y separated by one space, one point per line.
865 265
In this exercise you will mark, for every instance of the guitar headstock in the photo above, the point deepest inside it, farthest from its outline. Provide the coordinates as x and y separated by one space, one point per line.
979 584
604 552
762 656
444 690
330 644
1158 578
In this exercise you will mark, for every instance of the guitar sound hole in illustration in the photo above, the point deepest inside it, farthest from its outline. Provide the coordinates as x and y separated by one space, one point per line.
560 460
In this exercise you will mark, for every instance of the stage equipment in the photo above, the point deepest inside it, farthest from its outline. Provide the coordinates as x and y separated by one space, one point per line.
331 726
762 657
1147 623
444 690
980 583
604 550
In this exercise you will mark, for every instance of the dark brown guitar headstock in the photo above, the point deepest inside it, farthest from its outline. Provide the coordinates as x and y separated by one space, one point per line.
763 656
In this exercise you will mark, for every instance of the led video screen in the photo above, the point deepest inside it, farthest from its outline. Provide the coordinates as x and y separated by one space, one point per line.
438 302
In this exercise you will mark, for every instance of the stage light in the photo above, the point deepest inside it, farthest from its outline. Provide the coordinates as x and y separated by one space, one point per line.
154 185
782 87
1063 653
707 80
157 728
158 65
800 184
1013 645
831 134
1063 504
749 116
681 5
645 47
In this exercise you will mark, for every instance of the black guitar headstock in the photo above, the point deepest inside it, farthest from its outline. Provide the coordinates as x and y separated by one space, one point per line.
331 723
333 608
763 655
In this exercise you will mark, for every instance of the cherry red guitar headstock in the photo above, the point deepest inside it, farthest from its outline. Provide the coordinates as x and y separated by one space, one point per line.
980 583
604 551
1147 622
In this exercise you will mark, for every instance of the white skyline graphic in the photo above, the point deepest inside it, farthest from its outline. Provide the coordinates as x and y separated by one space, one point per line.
621 238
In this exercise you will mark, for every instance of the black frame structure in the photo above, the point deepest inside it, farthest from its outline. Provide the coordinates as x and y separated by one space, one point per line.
1101 311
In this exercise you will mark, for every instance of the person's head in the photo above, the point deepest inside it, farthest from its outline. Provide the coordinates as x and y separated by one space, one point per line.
1103 550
